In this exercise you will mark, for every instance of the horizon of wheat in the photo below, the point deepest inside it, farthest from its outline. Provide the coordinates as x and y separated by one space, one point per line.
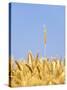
38 72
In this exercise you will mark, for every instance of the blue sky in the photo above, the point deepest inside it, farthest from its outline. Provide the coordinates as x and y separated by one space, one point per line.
27 32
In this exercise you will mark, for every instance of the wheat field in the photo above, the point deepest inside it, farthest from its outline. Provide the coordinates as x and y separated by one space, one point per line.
36 71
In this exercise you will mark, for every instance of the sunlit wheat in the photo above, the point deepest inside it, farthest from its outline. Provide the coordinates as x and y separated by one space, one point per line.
38 72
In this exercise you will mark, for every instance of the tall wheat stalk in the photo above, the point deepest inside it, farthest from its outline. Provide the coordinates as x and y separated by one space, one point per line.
45 38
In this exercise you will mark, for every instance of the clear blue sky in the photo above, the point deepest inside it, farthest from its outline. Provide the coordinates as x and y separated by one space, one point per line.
27 31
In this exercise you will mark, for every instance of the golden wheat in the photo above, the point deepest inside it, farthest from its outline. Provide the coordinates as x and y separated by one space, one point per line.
36 72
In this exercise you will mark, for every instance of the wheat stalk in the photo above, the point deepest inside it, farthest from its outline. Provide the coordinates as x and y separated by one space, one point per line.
45 38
